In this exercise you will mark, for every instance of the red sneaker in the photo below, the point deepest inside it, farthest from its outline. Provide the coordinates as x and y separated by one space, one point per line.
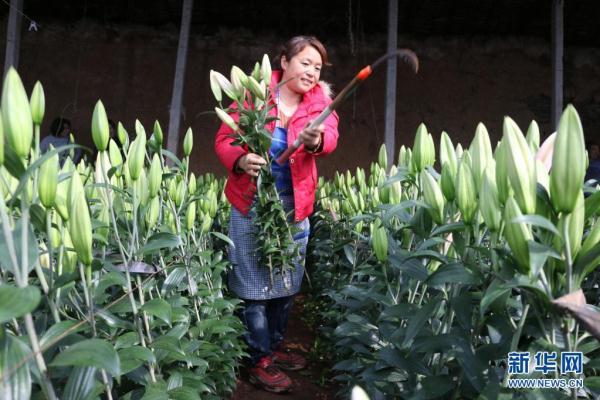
288 360
270 378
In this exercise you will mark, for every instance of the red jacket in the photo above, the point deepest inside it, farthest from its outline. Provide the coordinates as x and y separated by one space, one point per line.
240 188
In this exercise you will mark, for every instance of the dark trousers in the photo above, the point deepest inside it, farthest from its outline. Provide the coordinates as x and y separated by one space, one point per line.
265 322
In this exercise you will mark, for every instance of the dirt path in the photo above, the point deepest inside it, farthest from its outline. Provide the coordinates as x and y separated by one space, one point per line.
299 338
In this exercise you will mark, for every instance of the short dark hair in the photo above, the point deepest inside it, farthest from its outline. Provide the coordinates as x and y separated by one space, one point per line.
58 124
296 44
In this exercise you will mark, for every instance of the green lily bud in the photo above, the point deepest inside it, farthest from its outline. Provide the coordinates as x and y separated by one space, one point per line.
215 87
379 241
423 155
568 162
448 155
75 187
48 181
54 236
517 235
152 213
80 226
207 222
504 188
141 187
459 151
115 157
158 133
192 184
481 154
37 103
520 165
226 118
382 157
188 142
466 197
265 69
575 222
100 129
238 80
489 204
16 114
447 182
226 86
190 217
256 71
533 136
402 160
395 188
256 88
70 259
213 205
432 194
155 176
137 153
123 136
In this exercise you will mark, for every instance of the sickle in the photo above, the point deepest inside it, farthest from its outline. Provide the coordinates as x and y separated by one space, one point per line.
406 55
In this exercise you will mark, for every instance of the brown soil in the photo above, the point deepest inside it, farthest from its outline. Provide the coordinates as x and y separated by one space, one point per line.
299 338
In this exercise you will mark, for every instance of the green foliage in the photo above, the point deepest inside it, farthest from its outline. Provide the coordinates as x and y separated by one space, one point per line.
438 316
143 313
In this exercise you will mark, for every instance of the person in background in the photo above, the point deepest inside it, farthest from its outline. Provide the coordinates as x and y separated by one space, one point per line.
593 171
297 96
60 130
59 134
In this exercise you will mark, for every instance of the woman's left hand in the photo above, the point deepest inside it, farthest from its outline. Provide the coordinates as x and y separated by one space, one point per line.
311 138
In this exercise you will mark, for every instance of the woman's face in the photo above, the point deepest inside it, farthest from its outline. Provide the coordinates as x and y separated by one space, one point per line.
302 71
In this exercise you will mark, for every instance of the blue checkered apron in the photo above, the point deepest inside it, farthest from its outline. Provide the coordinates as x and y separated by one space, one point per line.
250 280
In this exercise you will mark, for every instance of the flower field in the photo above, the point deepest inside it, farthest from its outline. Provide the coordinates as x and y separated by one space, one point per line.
426 276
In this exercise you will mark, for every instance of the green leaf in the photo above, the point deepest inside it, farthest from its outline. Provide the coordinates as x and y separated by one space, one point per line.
174 279
538 254
82 384
592 383
184 393
537 220
413 267
434 387
592 205
173 157
13 163
159 308
32 247
16 381
417 322
134 357
453 227
159 241
452 273
114 321
587 262
17 302
60 330
90 353
223 237
492 293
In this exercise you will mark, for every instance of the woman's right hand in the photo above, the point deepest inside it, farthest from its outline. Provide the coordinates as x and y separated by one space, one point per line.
251 163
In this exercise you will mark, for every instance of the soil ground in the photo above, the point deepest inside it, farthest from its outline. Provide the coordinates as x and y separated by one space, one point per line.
299 338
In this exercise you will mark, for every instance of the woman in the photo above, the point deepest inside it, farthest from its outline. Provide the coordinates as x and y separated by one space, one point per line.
298 97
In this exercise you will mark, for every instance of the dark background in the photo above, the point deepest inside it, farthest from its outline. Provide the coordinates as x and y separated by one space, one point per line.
480 60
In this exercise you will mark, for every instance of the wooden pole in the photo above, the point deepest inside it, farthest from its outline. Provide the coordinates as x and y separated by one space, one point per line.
557 60
390 91
175 110
13 35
